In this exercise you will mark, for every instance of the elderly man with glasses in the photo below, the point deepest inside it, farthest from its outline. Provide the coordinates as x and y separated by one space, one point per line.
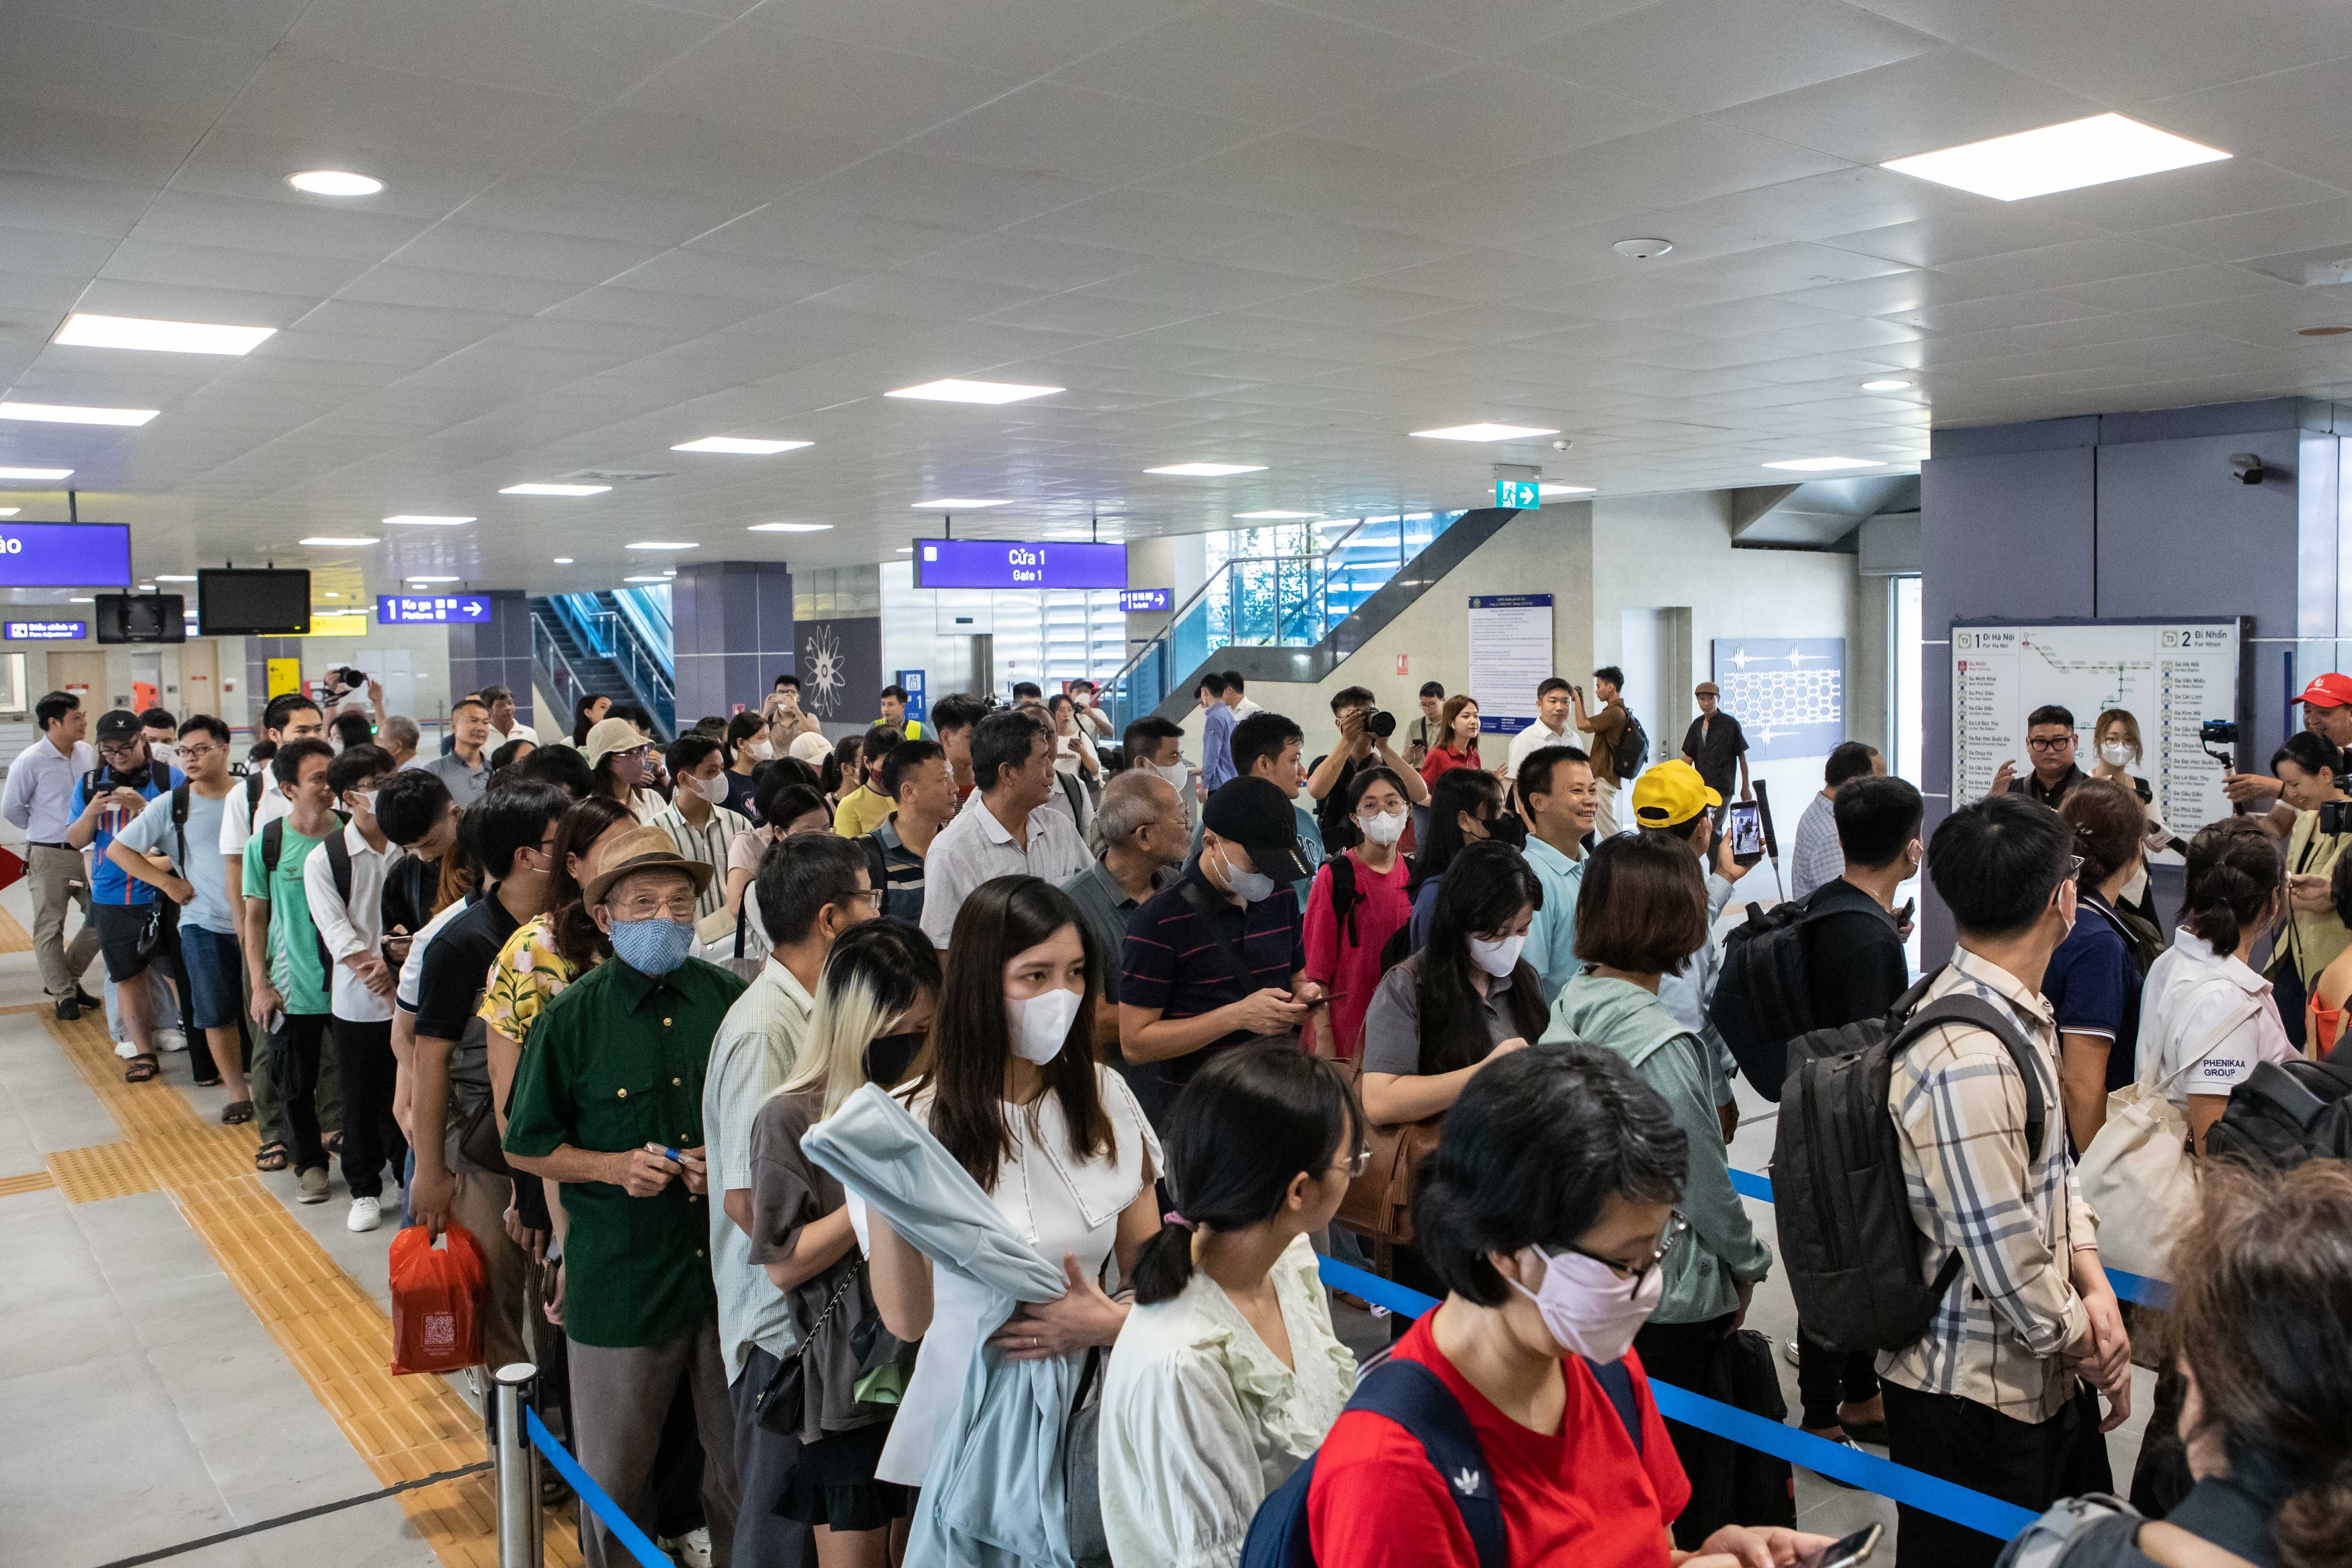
608 1099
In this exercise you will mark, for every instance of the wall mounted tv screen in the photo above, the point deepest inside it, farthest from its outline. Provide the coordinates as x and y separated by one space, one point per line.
262 603
141 617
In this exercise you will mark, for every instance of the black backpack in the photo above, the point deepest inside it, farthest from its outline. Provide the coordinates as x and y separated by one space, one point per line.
1853 1251
1633 749
1763 998
1347 898
2286 1113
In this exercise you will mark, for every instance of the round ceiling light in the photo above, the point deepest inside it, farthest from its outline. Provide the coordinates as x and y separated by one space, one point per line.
1643 250
2322 331
334 183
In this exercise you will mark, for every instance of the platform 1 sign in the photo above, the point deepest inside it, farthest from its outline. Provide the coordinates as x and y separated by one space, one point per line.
432 609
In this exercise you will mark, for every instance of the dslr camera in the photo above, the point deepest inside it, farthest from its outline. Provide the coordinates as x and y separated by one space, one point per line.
1380 722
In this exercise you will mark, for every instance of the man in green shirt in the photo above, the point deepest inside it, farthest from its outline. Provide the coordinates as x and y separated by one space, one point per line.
608 1101
290 976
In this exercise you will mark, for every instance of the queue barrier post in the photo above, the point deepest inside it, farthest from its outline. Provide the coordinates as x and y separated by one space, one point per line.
516 1470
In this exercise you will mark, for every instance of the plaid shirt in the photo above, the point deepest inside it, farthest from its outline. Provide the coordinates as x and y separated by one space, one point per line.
1960 1114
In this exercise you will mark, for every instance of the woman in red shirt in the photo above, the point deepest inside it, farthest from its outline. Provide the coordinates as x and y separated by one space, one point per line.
1343 952
1459 724
1546 1210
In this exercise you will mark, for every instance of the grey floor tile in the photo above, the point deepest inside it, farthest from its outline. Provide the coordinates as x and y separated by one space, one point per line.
373 1535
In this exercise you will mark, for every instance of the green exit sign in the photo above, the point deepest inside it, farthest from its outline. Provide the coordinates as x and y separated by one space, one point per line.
1523 495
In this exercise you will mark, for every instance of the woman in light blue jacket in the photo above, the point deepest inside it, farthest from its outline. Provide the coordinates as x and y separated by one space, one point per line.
1641 914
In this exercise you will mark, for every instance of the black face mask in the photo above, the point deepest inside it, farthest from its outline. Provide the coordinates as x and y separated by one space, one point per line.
887 1056
1507 829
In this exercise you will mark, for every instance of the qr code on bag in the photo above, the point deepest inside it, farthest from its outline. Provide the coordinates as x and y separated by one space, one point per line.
440 1331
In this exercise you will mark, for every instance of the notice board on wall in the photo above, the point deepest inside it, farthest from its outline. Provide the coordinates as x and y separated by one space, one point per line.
2170 676
1510 656
1788 693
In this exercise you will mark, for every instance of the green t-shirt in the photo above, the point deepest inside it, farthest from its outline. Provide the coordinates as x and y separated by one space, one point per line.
295 967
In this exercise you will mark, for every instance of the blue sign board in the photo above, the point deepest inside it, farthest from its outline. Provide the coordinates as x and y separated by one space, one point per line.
1003 563
1144 601
918 708
44 631
65 555
431 609
1520 495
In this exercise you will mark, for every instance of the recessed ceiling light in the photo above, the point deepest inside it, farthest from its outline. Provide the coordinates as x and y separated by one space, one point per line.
333 539
1643 250
10 510
647 577
65 413
740 446
1886 386
1825 465
554 489
82 599
432 579
1275 516
2322 331
1483 433
661 545
175 577
1565 490
2093 152
1207 470
953 390
334 595
906 550
86 332
789 527
34 473
146 588
957 503
416 520
563 561
670 571
334 183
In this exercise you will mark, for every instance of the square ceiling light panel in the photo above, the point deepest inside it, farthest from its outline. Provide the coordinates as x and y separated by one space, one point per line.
88 331
2093 152
953 391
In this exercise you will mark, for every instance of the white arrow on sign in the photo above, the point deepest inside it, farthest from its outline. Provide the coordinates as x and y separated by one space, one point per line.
473 607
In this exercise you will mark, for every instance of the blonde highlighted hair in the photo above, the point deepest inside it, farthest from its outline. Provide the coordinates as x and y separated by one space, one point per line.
876 973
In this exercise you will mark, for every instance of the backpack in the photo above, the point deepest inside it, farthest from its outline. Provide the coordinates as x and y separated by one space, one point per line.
2286 1113
1852 1248
1633 749
2095 1528
339 862
1347 898
1417 1399
1763 998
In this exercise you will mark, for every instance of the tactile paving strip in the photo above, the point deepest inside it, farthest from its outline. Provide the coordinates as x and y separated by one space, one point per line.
31 1182
14 938
330 1329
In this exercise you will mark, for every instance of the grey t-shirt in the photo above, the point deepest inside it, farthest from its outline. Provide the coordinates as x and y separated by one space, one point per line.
1392 1024
203 869
788 1193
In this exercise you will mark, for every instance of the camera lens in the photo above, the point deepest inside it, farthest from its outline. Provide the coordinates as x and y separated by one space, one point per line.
1380 722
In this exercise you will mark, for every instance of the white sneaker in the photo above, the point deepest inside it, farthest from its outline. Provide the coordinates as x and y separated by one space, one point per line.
693 1548
171 1040
367 1215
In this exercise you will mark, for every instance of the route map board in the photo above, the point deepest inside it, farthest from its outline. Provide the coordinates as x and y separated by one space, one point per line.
2172 676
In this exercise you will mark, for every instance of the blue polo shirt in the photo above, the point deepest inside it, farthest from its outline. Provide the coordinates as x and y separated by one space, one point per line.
110 883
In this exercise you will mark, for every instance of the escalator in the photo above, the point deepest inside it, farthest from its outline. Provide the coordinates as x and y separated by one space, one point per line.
583 644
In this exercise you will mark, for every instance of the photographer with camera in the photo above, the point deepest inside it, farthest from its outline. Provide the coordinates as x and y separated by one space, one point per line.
1365 733
2311 774
2327 713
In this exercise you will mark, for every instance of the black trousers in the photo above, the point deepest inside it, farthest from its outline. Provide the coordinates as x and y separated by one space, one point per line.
294 1061
763 1467
1684 1354
2031 1464
371 1139
1825 1379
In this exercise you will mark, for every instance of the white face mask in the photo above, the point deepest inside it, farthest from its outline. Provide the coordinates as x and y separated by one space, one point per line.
1041 1024
1082 700
1176 773
2116 754
713 789
1497 958
763 750
1589 1310
1383 826
1249 887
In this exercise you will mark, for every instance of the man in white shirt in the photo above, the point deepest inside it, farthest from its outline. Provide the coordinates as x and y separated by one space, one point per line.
504 725
1009 829
1818 857
38 798
1553 705
1241 705
343 880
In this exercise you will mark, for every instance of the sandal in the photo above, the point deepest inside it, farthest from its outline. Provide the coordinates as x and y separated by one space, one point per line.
236 1113
272 1156
143 1069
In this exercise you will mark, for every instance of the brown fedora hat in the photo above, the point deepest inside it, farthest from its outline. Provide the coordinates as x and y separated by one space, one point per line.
640 849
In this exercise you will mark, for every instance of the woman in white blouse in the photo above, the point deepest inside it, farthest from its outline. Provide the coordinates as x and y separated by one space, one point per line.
2206 1019
1010 1085
1227 1374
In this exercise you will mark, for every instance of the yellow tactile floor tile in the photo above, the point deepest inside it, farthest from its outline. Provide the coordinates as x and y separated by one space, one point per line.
328 1328
14 938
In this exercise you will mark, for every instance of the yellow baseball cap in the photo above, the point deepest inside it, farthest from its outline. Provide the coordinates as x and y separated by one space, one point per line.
1671 794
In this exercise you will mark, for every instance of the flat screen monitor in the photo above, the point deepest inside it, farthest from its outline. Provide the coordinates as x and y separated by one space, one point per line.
141 617
1018 563
271 602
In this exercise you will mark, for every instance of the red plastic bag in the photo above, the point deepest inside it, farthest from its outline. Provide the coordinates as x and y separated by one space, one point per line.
437 1301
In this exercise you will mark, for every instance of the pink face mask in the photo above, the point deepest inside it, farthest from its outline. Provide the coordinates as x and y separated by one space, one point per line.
1590 1309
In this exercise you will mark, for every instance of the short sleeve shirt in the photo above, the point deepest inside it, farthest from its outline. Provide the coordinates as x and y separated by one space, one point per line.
2093 988
466 784
152 833
1608 728
1105 907
1715 744
296 966
110 883
528 974
1172 962
1392 1024
2209 1020
902 875
618 1062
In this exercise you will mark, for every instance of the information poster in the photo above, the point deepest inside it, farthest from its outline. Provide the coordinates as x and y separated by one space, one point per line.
2170 676
1788 693
1510 656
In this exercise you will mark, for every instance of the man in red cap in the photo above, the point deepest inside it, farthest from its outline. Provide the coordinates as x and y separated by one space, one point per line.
2328 713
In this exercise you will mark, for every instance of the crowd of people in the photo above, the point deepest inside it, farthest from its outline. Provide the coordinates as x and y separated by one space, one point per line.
921 1139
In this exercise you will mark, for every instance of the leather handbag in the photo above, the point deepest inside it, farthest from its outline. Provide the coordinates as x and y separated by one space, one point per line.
1379 1205
783 1402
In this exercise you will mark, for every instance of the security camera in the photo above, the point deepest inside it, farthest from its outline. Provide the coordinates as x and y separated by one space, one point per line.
2248 467
1562 446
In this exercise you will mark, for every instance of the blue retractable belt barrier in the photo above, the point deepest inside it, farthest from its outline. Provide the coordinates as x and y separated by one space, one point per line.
2128 1287
593 1498
1927 1493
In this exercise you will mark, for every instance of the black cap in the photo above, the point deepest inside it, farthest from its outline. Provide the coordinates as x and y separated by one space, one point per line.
118 724
1254 813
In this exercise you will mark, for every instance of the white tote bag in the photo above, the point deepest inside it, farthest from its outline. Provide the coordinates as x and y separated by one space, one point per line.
2139 1174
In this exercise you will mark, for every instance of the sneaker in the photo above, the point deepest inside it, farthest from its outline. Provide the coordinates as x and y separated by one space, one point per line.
366 1213
1791 1354
310 1186
693 1548
171 1040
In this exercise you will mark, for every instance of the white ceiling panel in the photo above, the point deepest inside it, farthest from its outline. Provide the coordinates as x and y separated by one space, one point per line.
1487 116
308 102
589 49
1917 105
1705 55
1050 127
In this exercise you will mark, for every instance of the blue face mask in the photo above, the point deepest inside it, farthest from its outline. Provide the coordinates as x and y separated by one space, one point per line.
654 946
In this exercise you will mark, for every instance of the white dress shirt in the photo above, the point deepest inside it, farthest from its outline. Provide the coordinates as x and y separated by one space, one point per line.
38 795
1526 742
351 929
976 847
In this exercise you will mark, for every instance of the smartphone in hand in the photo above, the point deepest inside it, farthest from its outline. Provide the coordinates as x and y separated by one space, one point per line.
1847 1552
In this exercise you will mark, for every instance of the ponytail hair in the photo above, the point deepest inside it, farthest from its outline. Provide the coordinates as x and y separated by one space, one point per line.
1243 1130
2234 875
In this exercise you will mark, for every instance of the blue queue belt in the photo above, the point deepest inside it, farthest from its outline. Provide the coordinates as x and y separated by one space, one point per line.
1927 1493
593 1497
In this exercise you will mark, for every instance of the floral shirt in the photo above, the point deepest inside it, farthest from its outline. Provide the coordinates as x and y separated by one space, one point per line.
527 977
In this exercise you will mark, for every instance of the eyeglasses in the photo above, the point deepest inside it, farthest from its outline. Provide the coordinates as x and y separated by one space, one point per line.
873 893
2074 866
2050 743
1676 1227
676 909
